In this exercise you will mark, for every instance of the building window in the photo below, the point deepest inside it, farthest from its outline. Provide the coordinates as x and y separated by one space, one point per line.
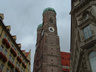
92 58
7 70
12 60
86 14
0 18
12 46
1 67
8 40
5 52
19 66
18 53
87 32
1 48
16 64
20 56
5 36
21 69
10 57
15 49
52 70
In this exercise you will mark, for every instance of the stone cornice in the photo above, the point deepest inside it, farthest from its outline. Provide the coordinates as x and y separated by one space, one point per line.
79 6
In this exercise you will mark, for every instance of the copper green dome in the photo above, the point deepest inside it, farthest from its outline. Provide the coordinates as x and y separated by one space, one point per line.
39 26
49 9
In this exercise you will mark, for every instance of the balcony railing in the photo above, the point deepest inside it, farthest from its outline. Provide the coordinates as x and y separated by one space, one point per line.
13 52
23 64
19 59
5 41
11 64
17 70
3 57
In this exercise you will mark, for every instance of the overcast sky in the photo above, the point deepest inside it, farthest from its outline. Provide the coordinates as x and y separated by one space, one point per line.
24 16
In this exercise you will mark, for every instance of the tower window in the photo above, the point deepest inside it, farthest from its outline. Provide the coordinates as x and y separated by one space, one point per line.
52 70
51 20
52 60
51 53
87 32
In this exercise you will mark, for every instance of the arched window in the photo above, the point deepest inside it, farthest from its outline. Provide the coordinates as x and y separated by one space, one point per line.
92 58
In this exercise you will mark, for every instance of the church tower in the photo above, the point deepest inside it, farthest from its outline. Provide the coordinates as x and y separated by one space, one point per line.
47 55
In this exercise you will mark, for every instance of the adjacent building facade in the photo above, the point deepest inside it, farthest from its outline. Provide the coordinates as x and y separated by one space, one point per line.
47 55
12 58
83 36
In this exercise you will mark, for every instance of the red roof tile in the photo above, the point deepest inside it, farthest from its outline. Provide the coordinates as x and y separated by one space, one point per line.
65 59
67 70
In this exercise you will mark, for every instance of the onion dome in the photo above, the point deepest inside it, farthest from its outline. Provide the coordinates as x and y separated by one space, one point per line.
49 9
39 26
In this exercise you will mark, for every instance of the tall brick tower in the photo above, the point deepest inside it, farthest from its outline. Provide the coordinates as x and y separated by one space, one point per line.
47 55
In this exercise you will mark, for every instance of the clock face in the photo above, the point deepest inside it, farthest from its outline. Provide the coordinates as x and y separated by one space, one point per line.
51 29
